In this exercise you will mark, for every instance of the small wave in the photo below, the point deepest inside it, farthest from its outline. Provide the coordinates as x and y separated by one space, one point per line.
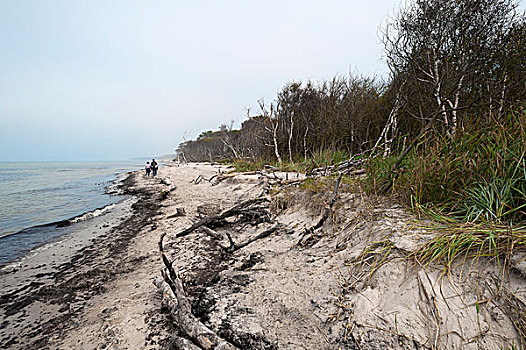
63 223
17 263
92 214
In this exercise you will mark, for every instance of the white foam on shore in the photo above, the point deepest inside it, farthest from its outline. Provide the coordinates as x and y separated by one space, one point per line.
30 255
78 237
92 214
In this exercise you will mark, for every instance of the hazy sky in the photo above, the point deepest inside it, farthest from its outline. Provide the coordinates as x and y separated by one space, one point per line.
95 80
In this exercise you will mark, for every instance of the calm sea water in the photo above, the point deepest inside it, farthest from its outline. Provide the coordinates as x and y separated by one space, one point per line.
38 193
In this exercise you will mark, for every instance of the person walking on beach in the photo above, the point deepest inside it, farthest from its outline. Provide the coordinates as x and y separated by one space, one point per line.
148 168
154 168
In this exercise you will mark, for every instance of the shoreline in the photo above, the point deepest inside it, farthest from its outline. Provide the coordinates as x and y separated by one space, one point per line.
34 285
45 224
73 226
69 225
44 193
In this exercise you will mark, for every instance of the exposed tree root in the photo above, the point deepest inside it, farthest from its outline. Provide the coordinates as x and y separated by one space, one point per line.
309 233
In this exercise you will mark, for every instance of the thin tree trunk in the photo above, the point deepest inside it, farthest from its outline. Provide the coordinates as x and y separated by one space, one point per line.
502 94
454 106
437 94
275 140
305 141
290 135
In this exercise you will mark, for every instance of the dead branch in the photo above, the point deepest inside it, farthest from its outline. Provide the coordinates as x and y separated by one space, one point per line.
223 177
255 214
234 246
197 180
345 166
211 233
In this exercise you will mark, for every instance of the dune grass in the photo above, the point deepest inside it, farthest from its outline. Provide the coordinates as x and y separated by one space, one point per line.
479 175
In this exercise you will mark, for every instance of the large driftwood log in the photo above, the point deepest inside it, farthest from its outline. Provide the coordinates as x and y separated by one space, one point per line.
174 298
181 343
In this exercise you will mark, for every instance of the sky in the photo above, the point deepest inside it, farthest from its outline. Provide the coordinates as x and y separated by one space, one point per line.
113 80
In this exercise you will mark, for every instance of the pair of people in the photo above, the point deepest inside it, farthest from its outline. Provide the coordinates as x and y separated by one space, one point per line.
151 167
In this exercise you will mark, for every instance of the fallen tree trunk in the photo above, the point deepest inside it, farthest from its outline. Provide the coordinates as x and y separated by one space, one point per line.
183 344
347 165
174 297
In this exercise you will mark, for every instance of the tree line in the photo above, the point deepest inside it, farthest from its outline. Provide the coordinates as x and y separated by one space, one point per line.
454 65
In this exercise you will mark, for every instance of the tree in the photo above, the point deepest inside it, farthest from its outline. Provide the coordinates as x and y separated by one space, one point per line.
443 47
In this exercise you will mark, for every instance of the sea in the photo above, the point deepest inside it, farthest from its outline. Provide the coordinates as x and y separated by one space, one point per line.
39 200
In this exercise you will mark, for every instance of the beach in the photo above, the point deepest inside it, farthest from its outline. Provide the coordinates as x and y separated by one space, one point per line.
339 286
93 289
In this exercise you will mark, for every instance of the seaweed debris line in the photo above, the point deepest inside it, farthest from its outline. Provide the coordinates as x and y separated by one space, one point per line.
206 259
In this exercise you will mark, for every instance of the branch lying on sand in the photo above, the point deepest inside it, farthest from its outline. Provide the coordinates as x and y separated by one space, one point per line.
175 299
246 209
309 232
230 175
235 246
236 210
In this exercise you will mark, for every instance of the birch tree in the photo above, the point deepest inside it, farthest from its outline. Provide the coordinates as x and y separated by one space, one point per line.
443 45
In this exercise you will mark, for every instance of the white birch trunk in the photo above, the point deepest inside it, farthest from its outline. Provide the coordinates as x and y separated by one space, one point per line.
290 135
305 141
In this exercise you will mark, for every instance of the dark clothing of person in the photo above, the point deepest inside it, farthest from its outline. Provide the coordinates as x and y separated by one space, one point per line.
154 168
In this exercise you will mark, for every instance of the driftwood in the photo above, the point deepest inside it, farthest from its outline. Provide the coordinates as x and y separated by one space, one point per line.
309 232
223 177
197 180
211 233
245 209
178 212
182 344
197 335
235 246
175 299
239 209
345 167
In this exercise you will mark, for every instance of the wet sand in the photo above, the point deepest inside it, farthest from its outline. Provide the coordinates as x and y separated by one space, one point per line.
44 292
